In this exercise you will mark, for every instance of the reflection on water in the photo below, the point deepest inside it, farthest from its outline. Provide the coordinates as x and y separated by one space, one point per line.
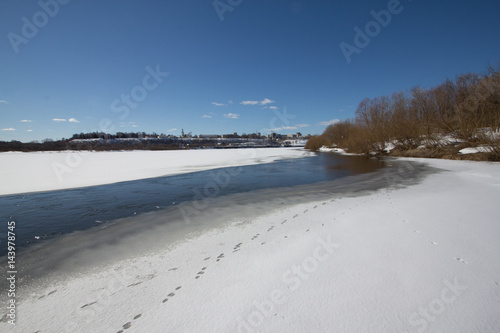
49 214
352 164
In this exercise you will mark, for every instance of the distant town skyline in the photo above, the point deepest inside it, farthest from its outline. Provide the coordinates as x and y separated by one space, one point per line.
225 66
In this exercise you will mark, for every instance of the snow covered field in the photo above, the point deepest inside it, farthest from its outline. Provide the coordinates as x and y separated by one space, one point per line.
422 258
46 171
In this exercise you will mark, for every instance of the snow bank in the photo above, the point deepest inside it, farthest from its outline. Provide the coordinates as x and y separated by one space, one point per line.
45 171
475 150
340 151
414 259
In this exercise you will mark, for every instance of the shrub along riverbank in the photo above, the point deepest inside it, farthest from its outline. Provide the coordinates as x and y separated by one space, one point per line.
436 122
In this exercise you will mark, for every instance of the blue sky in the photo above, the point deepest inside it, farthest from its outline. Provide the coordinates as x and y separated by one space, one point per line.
246 66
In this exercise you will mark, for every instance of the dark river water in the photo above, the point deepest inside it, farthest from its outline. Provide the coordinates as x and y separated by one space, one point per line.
46 215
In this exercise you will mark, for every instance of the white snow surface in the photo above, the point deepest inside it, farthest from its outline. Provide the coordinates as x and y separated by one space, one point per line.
46 171
339 151
475 150
422 258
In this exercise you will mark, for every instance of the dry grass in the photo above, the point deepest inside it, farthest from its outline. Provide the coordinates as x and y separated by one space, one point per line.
446 152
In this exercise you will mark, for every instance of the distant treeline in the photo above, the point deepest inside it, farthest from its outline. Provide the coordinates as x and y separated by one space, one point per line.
465 111
118 135
97 145
144 135
98 141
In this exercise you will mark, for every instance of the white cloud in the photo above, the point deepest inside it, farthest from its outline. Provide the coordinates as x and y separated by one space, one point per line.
250 102
288 128
125 124
26 121
266 101
230 102
29 130
8 129
328 122
60 120
3 101
231 115
284 128
218 104
272 107
206 116
263 102
172 130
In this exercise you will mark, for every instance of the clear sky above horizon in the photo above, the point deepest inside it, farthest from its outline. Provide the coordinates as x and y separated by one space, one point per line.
233 65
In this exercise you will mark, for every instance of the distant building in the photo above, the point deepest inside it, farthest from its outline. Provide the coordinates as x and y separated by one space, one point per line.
230 136
294 143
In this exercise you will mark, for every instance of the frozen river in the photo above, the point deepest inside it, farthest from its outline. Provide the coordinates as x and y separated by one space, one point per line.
46 215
